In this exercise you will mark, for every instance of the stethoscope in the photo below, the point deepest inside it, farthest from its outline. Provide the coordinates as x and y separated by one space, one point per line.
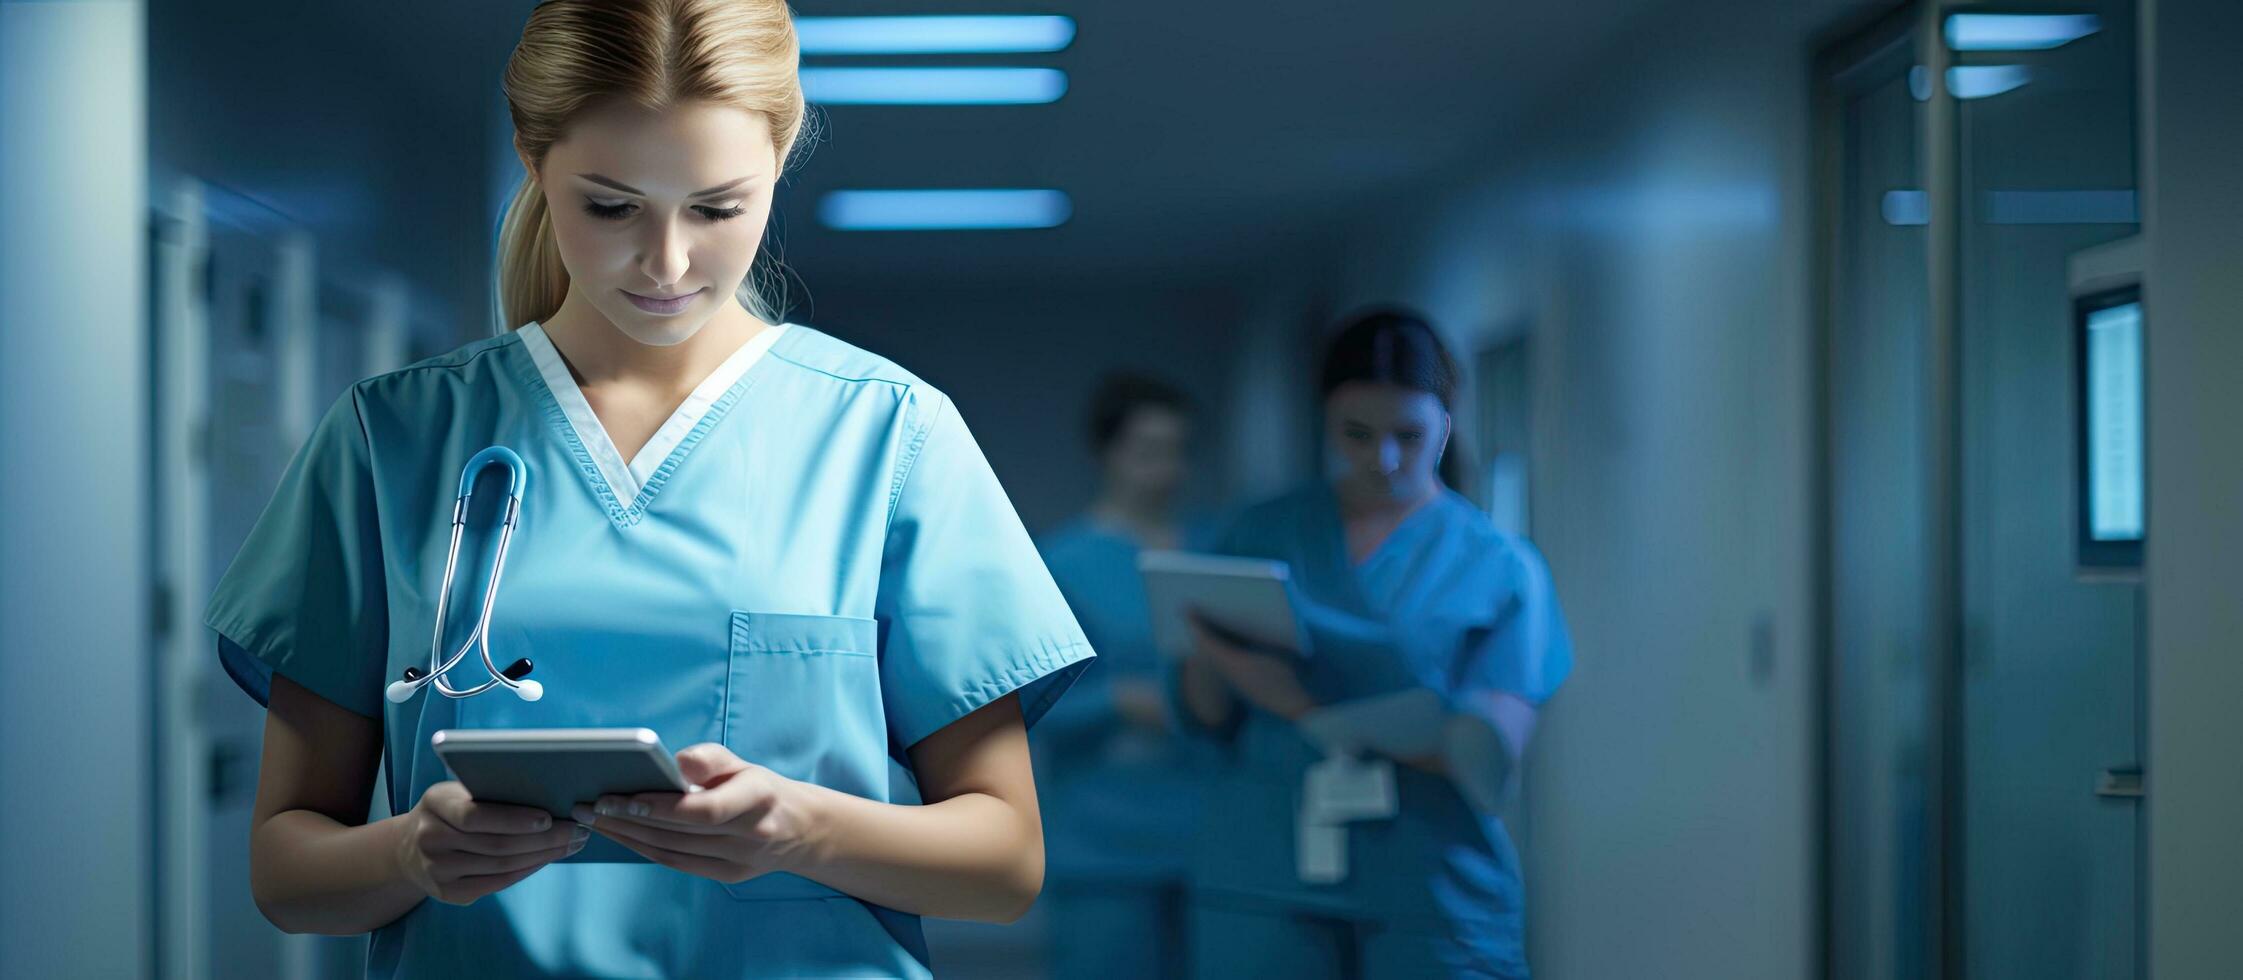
438 665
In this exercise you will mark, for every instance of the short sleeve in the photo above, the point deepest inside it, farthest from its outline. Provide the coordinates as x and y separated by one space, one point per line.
305 594
968 613
1528 650
1087 715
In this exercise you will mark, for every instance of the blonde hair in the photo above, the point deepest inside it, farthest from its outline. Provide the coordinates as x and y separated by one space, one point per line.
657 53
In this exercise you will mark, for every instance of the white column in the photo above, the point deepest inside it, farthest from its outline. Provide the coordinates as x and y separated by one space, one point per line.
76 644
295 317
387 327
182 513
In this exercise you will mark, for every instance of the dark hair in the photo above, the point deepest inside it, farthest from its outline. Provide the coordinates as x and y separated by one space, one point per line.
1120 396
1390 345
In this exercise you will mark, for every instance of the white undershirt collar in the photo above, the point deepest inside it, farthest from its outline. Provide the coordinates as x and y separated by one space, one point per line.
627 479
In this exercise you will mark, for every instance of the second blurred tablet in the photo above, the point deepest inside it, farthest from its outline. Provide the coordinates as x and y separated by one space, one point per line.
1247 597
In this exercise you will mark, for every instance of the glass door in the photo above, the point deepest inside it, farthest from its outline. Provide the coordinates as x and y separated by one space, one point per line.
1982 688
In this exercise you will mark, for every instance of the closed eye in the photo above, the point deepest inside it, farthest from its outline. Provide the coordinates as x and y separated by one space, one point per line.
611 212
624 209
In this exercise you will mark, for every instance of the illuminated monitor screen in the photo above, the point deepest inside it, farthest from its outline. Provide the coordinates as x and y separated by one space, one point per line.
2112 500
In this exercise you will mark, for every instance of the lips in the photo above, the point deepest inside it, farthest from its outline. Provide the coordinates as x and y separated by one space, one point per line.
661 306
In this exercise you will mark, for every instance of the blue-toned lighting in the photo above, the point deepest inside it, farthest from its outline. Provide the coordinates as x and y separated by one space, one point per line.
1906 208
935 210
934 35
2018 32
1983 81
1971 81
933 86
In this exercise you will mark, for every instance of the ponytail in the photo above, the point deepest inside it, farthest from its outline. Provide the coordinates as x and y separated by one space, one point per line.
531 279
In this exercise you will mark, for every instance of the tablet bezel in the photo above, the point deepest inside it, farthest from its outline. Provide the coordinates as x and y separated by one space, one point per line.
641 743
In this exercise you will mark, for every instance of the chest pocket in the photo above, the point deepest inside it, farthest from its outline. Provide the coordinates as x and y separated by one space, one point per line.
803 700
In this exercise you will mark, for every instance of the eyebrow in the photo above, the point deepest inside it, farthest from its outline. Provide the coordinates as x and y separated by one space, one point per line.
1403 427
628 189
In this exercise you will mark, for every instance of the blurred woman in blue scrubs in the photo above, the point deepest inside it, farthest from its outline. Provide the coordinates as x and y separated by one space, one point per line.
785 555
1402 585
1120 788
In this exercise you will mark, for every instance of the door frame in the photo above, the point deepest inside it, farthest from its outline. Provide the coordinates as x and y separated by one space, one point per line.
1913 26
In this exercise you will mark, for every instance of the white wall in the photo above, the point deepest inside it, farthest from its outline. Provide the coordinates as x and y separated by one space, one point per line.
1654 234
2193 221
75 643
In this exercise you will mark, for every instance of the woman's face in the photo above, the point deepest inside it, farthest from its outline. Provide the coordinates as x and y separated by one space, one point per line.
1385 440
1146 458
658 214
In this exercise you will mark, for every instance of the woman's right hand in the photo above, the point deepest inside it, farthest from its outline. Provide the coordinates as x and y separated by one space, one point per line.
1269 680
458 850
1140 703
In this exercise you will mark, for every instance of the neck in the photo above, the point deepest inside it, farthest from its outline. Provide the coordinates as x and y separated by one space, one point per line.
1357 505
599 354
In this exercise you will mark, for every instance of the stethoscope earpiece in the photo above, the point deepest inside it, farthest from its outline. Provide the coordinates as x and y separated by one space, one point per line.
526 690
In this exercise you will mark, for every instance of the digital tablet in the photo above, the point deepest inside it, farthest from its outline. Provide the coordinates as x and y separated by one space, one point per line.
554 769
1246 600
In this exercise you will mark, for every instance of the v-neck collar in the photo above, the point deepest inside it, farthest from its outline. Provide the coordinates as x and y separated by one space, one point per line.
1386 545
628 481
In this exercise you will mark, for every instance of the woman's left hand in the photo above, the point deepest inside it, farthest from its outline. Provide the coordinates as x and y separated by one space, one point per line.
740 820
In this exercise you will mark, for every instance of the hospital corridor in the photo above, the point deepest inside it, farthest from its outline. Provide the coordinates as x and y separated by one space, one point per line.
1060 490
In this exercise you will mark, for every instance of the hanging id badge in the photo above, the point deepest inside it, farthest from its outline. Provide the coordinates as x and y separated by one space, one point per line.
1319 850
1336 792
1345 789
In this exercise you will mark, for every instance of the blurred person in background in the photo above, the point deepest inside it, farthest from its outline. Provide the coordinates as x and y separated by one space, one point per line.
1120 788
1401 585
785 555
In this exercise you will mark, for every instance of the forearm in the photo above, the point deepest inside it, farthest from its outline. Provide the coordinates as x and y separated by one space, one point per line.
312 874
973 856
1483 746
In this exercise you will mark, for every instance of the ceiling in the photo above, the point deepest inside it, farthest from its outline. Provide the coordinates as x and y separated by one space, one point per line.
1196 139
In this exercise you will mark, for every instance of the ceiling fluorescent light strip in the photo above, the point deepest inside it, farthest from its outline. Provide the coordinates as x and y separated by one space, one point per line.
2018 32
933 86
944 210
1033 34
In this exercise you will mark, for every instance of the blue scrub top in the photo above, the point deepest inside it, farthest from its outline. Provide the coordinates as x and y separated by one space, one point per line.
1119 803
820 573
1447 602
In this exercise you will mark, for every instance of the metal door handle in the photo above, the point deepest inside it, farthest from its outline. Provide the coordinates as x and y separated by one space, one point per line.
2121 782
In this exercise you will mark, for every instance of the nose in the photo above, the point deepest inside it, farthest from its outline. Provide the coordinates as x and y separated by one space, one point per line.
1390 455
664 255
